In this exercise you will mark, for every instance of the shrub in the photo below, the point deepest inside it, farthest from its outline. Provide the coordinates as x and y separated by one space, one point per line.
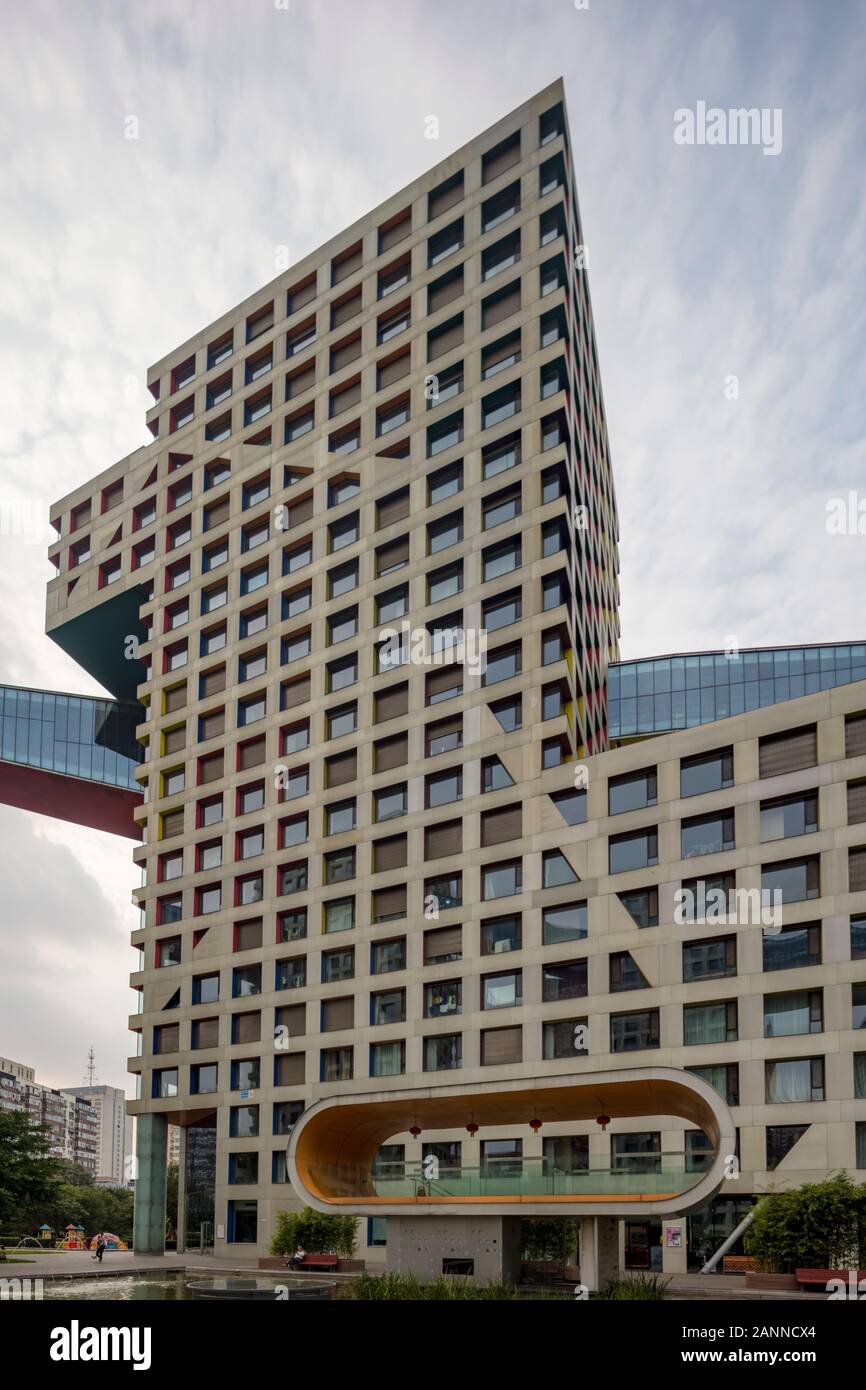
819 1226
543 1239
453 1286
390 1287
639 1286
315 1232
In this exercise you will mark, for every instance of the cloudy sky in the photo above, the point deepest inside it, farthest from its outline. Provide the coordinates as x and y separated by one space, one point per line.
264 124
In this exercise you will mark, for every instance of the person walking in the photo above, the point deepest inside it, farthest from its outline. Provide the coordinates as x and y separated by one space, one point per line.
100 1248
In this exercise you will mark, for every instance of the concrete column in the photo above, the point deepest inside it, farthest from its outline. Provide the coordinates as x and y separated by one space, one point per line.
598 1251
148 1225
181 1194
674 1256
421 1245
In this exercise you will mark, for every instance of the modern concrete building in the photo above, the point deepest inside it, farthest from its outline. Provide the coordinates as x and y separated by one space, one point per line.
410 946
114 1138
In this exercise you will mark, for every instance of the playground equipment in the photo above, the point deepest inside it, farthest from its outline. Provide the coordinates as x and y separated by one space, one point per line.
73 1238
112 1242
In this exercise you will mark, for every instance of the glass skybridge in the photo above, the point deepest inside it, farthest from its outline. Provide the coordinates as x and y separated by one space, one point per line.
664 693
76 735
72 757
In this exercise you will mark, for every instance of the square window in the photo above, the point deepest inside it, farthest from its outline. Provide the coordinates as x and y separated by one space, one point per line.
341 721
339 817
390 802
444 483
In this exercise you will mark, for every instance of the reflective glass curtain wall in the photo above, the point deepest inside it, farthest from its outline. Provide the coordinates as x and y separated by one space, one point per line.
72 734
678 692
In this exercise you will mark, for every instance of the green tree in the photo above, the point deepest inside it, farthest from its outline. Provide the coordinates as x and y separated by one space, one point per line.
59 1207
547 1239
171 1196
73 1173
107 1209
817 1226
95 1208
27 1172
315 1232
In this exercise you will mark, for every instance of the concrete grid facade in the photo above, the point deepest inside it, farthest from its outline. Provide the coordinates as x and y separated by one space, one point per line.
408 426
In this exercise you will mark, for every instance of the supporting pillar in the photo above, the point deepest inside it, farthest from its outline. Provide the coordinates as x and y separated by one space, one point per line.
148 1225
427 1245
598 1251
181 1194
674 1245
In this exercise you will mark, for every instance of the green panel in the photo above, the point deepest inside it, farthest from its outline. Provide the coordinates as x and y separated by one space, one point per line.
98 641
148 1225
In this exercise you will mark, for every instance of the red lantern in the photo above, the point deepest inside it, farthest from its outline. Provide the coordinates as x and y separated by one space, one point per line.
414 1131
535 1126
603 1120
472 1128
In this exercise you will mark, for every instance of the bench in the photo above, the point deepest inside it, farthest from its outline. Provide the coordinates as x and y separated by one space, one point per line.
327 1262
823 1276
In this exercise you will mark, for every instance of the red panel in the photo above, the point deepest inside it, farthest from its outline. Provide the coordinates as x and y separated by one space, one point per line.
72 799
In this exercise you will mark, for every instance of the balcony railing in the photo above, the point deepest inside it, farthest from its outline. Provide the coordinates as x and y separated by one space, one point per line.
528 1179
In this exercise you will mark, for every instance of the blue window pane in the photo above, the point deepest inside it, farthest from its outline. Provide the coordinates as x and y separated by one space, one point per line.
645 715
628 680
663 711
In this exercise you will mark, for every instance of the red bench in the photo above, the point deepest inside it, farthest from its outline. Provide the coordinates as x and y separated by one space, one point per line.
823 1276
329 1262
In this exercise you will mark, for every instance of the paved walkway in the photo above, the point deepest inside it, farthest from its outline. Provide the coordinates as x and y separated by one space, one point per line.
66 1264
728 1286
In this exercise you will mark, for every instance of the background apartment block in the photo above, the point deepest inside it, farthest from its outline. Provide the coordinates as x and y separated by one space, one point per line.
114 1151
71 1123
